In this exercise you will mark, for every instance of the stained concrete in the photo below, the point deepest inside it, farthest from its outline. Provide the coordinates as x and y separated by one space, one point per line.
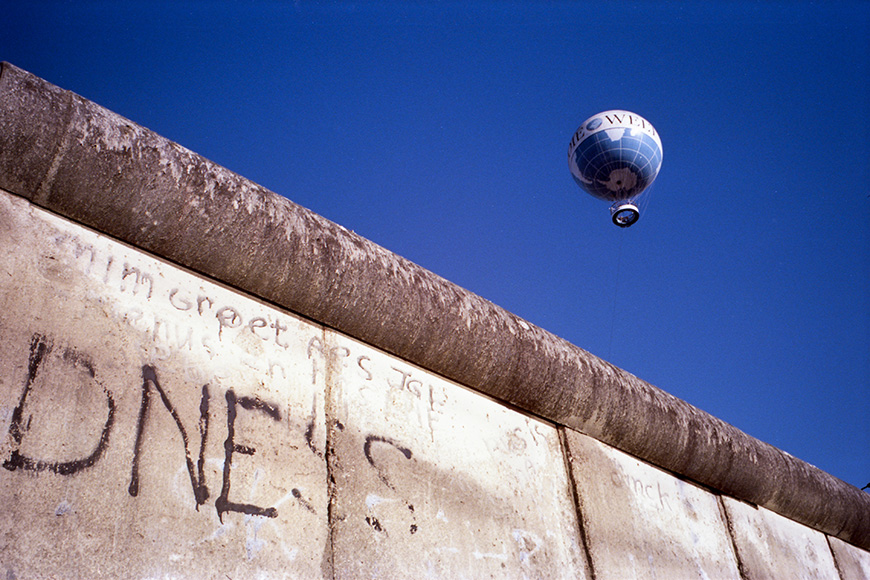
158 424
641 522
433 480
771 546
852 563
155 424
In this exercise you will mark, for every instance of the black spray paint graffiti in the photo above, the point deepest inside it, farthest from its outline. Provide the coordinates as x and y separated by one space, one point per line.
382 474
367 451
43 351
197 479
223 504
40 348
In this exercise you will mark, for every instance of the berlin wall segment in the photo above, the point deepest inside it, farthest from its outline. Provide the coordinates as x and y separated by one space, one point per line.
128 413
79 160
151 413
771 546
468 486
853 563
641 522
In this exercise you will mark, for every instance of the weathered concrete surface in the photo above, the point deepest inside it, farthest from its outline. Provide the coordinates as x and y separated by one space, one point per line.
154 424
641 522
433 480
159 425
771 546
84 162
853 563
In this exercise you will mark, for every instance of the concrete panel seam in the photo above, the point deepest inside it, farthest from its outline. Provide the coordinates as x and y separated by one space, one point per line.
729 525
578 503
331 458
837 564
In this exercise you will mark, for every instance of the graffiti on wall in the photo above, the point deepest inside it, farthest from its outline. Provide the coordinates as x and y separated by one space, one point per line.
160 389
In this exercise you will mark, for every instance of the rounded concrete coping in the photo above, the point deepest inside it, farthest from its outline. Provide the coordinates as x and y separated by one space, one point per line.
77 159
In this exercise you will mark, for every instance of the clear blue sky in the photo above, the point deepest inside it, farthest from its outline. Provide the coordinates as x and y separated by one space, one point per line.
440 131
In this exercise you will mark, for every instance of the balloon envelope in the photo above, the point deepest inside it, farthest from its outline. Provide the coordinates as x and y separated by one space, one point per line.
615 155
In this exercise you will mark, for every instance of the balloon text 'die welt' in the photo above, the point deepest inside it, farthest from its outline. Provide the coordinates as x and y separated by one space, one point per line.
615 156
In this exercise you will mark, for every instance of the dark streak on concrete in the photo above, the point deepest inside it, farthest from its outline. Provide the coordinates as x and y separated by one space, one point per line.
222 503
81 161
197 477
302 501
367 451
40 347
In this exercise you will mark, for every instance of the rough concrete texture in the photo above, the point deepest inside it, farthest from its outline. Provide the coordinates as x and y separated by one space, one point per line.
434 480
641 522
84 162
160 425
771 546
155 425
853 563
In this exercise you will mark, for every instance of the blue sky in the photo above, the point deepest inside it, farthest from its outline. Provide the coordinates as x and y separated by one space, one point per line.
440 131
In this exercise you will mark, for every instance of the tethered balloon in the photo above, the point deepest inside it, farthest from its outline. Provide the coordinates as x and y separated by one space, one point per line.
615 156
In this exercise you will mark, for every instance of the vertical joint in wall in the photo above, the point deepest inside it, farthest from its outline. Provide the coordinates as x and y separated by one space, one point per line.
328 564
578 503
729 526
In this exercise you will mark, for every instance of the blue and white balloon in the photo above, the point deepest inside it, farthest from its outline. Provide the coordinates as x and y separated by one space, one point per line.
615 156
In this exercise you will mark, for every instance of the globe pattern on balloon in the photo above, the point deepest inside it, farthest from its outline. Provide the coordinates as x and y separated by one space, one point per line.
615 162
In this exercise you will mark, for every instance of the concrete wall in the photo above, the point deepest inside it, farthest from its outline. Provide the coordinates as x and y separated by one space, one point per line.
163 425
178 403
